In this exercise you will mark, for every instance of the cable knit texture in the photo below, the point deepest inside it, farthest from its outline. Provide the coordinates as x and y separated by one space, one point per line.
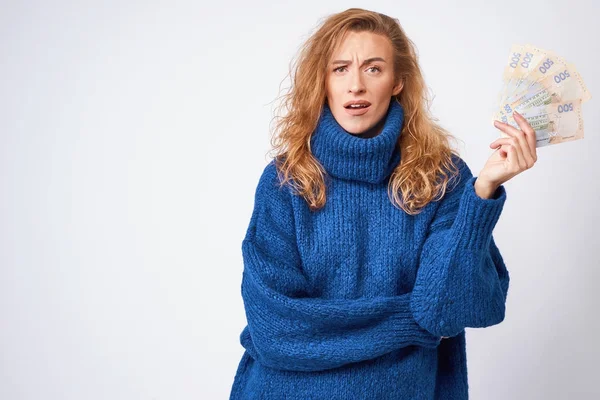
351 301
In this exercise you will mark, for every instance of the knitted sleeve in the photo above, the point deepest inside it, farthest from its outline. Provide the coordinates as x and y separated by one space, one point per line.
462 280
287 329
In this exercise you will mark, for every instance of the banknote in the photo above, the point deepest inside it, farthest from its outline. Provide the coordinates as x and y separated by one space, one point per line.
564 85
553 123
514 59
522 62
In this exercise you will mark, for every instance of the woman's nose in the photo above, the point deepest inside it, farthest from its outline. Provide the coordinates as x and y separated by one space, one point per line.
356 83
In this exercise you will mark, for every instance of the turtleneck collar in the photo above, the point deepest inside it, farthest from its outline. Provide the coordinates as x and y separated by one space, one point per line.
350 157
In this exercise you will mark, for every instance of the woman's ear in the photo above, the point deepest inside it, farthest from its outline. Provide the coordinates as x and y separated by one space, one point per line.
398 88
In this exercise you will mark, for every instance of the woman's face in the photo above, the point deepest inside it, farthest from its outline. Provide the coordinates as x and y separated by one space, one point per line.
361 69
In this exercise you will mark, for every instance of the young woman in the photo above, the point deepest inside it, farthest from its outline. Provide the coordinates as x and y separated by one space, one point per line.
370 247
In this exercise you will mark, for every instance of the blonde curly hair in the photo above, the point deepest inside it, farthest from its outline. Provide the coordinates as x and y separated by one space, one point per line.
426 156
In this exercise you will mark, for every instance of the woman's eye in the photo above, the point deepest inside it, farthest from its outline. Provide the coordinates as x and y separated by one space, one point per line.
338 69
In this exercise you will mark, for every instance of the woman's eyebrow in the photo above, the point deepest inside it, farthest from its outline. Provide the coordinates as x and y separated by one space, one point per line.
367 61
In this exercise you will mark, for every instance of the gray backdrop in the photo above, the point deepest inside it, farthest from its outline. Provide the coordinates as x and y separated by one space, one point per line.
132 138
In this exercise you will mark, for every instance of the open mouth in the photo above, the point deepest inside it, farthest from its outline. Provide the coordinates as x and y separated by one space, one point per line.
357 109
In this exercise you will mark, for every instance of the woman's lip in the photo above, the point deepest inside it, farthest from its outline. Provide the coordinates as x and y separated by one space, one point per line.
357 111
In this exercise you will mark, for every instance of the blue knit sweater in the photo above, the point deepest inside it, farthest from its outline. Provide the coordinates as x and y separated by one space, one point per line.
351 301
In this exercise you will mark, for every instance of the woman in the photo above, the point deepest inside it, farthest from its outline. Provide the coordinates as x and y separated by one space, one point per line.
370 240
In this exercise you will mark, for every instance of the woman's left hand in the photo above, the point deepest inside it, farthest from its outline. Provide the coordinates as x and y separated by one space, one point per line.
514 154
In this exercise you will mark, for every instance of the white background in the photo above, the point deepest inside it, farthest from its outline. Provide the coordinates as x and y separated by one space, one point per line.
132 138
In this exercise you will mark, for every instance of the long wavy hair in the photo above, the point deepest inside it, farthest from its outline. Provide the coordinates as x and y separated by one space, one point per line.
425 167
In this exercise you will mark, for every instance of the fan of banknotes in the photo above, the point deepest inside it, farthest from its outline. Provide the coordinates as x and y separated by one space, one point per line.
547 90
